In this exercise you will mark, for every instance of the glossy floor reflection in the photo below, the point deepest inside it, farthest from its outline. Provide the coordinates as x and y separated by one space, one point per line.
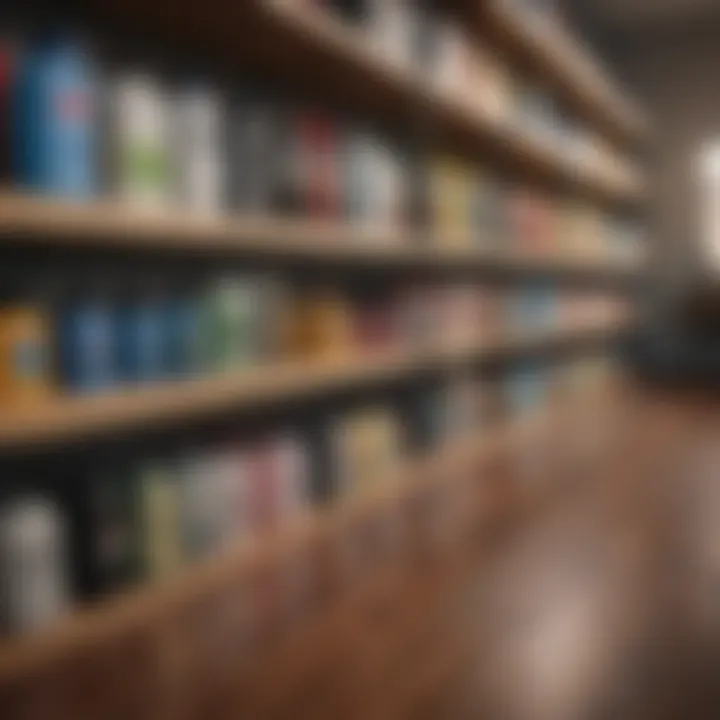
606 604
583 584
595 595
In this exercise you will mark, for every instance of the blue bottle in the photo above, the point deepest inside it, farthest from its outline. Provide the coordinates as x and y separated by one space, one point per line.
138 321
54 120
181 319
86 345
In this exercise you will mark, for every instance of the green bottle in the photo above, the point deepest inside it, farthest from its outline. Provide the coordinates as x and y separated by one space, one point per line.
229 326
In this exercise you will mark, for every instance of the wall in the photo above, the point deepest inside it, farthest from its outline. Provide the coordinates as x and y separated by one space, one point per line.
673 70
674 74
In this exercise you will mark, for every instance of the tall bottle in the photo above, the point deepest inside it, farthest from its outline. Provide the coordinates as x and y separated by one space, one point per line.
54 127
34 585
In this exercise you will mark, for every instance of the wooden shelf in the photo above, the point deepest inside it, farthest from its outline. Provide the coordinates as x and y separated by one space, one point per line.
107 224
531 157
457 119
544 46
317 54
27 220
79 418
311 51
90 628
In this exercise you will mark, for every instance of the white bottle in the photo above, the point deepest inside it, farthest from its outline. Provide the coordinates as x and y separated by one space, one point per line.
201 531
140 137
198 160
33 565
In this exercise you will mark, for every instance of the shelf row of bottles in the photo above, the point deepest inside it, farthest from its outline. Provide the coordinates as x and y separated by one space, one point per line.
454 61
92 338
98 525
65 130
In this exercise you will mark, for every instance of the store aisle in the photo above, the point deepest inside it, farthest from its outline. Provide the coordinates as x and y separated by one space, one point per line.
585 588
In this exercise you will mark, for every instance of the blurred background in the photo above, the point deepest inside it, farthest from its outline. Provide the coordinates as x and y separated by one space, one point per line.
349 359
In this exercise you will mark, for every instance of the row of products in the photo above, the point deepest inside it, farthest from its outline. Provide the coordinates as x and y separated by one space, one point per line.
457 62
112 525
92 342
204 150
117 524
90 532
539 309
89 342
69 133
471 209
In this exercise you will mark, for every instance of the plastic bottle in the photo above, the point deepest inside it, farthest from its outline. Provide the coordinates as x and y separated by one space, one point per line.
160 513
87 343
199 505
139 326
33 555
229 325
255 144
197 120
141 143
25 373
181 334
55 119
7 73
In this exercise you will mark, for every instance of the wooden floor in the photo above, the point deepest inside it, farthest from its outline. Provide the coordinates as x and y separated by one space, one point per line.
583 583
597 597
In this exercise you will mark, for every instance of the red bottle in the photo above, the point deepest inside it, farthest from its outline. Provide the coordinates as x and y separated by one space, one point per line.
6 74
319 166
262 481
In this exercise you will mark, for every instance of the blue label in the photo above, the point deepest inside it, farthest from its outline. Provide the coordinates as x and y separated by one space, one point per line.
54 123
86 348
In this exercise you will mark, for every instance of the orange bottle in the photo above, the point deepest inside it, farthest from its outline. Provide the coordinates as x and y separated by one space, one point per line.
24 355
319 326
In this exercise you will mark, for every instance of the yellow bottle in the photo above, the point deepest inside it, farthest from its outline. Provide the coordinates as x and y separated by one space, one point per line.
24 356
320 326
451 189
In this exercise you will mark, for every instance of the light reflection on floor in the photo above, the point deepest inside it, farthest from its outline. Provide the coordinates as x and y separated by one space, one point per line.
608 605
